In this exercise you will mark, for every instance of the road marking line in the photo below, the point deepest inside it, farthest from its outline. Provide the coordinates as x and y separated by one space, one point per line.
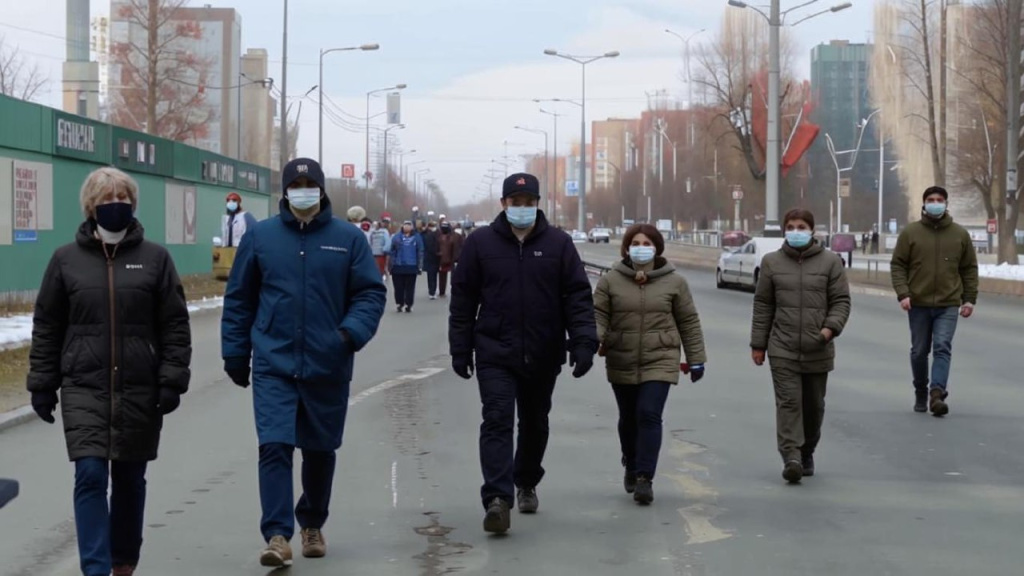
420 374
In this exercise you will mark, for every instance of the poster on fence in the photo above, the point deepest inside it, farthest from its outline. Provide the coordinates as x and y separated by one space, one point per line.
6 202
180 213
33 199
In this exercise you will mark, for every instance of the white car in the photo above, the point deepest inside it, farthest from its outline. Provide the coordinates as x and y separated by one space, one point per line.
578 236
742 266
599 235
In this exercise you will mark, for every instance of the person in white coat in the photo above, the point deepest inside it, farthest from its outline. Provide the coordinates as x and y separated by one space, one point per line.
235 221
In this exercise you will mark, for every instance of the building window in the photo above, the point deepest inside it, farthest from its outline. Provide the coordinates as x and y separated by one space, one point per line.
124 149
140 152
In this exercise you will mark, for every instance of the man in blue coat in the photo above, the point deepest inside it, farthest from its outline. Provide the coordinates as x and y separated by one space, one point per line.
519 288
303 297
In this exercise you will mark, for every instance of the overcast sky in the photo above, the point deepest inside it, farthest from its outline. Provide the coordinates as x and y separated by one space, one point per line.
472 66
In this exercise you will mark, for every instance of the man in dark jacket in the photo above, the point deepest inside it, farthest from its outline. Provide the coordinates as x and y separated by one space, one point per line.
518 288
303 297
431 257
934 271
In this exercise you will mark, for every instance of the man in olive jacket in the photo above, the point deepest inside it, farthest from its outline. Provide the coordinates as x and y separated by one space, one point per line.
934 271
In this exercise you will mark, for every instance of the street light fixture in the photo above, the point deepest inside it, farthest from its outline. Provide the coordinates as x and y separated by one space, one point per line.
366 174
554 150
776 19
546 173
582 61
689 82
415 184
385 171
320 122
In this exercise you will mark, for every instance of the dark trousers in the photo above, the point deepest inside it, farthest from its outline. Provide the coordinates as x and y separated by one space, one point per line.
277 494
431 281
109 534
799 411
502 392
640 410
405 288
932 330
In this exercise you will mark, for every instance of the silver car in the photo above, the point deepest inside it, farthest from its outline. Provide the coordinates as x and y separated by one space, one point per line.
742 266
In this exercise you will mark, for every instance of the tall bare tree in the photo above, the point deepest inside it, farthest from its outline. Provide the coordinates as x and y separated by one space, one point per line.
161 87
19 78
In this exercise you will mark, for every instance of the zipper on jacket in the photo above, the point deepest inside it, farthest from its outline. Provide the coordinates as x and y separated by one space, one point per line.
640 348
800 318
522 309
935 271
301 367
113 341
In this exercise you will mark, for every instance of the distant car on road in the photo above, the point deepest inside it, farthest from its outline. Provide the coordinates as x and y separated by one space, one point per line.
742 266
578 236
735 238
599 235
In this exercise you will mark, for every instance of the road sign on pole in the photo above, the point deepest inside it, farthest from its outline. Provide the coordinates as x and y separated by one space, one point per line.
992 226
572 188
844 188
348 171
737 192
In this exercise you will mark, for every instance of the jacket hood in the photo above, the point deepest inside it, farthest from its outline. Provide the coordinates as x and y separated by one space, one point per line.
662 267
813 249
321 218
944 222
86 235
502 227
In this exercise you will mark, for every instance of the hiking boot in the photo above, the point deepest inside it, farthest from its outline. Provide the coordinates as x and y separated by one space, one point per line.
528 501
123 570
644 492
793 471
920 402
497 518
629 481
807 463
277 553
313 543
938 406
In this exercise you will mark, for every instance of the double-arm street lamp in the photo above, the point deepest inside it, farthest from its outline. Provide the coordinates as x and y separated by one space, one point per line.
385 171
582 61
554 154
689 80
776 19
320 130
366 174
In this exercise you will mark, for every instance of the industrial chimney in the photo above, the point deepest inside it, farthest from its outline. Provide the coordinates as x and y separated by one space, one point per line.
81 77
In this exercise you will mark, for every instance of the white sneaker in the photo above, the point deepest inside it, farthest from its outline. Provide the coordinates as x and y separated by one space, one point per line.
433 297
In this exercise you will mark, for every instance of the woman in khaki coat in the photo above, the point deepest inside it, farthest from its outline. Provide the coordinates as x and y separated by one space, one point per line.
644 314
801 305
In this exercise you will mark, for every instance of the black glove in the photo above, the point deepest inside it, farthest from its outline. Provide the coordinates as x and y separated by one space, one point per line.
463 366
44 403
696 372
169 401
583 359
238 370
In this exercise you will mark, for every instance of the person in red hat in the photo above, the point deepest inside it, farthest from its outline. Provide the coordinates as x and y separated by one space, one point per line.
235 222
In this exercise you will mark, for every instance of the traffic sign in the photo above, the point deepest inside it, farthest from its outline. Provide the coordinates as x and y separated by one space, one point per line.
992 226
348 171
572 188
737 192
844 188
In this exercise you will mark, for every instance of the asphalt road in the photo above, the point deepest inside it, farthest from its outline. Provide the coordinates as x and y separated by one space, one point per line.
896 493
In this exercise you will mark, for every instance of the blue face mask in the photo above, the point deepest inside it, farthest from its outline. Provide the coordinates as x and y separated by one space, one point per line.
641 254
798 238
935 209
303 198
232 206
521 217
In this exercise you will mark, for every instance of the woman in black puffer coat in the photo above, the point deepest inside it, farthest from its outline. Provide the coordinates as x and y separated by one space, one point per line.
111 334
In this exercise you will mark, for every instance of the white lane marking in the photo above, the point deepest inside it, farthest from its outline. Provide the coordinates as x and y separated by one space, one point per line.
394 484
420 374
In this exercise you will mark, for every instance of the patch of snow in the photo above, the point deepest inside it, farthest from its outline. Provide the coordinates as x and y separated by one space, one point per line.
1004 271
16 331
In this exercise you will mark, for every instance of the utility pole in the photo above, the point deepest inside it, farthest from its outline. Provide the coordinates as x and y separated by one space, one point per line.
1013 77
772 162
284 90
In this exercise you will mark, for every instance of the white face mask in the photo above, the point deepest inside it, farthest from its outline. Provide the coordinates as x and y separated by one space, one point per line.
303 198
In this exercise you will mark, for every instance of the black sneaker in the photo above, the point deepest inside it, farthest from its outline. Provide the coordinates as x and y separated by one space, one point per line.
497 518
629 481
400 308
408 309
920 402
807 463
644 493
528 501
793 471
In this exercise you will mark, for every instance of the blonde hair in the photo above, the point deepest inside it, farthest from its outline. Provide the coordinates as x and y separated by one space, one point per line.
356 213
101 182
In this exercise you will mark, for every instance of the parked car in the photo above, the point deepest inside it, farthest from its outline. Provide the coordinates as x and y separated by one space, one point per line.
599 235
579 236
734 238
8 491
742 266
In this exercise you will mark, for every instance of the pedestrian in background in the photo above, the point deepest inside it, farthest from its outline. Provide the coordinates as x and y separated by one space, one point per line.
111 334
801 305
934 272
645 313
235 221
380 246
303 297
355 214
519 289
450 248
431 257
406 263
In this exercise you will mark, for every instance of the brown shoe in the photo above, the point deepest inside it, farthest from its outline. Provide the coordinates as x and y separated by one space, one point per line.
313 543
277 553
938 404
123 570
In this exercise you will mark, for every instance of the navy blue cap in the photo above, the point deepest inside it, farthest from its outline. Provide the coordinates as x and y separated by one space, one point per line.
520 183
302 167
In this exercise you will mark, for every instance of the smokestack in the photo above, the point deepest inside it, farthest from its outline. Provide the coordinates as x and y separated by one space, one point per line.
78 30
81 77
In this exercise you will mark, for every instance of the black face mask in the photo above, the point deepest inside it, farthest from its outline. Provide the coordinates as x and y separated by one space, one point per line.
446 229
114 217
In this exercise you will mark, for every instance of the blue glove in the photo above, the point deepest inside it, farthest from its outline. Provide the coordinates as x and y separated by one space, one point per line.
696 372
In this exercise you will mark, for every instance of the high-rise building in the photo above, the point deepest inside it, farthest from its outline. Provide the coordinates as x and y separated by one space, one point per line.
258 107
839 82
202 78
80 74
611 142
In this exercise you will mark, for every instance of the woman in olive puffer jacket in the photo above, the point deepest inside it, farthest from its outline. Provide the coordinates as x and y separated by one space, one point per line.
644 314
801 305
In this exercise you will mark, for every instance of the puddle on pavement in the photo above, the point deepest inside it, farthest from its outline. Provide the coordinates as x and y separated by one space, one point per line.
440 550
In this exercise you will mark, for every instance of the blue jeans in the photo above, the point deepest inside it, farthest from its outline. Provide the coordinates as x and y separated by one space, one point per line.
109 535
277 494
640 409
504 467
931 330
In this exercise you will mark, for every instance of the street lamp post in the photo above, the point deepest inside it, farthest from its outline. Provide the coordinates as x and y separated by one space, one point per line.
405 175
366 173
320 121
553 183
545 133
689 82
582 61
776 19
385 171
415 184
